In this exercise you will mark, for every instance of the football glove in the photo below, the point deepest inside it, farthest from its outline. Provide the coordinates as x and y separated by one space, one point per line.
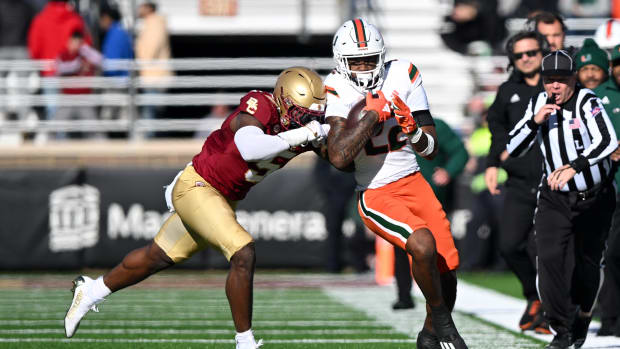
378 104
403 115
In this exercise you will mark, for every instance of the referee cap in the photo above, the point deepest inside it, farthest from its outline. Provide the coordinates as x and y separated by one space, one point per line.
558 63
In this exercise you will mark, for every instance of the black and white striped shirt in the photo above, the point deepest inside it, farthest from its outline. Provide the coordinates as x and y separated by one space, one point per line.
580 133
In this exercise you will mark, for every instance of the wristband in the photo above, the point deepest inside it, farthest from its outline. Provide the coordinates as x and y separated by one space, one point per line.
415 137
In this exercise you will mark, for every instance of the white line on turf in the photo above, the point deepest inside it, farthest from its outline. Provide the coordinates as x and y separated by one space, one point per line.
376 303
203 341
506 311
202 331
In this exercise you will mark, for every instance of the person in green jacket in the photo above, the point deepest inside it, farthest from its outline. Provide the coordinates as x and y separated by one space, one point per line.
440 174
609 297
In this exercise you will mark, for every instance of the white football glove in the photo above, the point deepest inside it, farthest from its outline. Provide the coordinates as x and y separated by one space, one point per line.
321 131
312 131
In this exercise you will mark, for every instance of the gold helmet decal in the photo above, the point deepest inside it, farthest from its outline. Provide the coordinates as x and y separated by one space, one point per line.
300 97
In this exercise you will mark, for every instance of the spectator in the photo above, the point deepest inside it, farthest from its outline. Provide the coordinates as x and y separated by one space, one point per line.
440 173
607 35
117 44
48 35
609 298
77 59
473 21
338 189
152 44
592 65
552 27
525 52
576 199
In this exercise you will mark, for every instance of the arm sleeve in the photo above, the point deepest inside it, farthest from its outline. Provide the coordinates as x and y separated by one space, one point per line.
91 55
254 145
499 129
523 135
451 144
604 139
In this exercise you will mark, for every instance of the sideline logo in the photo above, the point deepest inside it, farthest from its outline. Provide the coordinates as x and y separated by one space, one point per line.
74 218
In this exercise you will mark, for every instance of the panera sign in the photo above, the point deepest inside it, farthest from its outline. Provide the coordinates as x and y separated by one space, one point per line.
217 7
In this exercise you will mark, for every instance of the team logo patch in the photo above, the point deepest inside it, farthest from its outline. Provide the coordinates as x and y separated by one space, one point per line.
596 111
586 57
605 100
277 128
200 184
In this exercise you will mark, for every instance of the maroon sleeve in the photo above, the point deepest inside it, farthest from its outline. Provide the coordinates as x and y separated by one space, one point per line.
259 105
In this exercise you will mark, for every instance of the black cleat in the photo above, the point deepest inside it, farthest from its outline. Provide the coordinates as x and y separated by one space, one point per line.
579 330
446 332
607 327
427 340
403 304
561 341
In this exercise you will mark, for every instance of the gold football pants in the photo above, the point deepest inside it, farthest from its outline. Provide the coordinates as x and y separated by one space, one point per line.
203 217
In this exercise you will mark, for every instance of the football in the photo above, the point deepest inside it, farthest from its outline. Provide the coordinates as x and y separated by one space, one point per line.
356 113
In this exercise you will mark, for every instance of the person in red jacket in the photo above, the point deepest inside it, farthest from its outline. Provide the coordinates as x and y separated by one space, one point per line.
48 34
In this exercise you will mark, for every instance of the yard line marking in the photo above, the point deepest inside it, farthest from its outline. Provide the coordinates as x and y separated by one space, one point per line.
200 331
376 303
202 341
104 322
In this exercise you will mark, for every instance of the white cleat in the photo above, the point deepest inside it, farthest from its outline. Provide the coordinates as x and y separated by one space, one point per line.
81 304
249 345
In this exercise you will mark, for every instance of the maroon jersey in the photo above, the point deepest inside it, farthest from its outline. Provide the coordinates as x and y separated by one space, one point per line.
220 163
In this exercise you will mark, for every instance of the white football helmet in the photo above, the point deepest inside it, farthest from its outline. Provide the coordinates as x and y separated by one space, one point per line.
607 34
354 39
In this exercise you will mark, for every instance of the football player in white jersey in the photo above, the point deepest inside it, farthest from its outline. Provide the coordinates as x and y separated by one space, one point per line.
394 199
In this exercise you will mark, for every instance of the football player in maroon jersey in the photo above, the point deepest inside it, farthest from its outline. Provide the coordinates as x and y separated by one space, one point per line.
262 134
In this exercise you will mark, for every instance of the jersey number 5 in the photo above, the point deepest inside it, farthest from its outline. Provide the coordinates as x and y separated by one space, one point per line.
257 171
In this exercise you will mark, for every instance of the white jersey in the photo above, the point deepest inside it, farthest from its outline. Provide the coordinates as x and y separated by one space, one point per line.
388 155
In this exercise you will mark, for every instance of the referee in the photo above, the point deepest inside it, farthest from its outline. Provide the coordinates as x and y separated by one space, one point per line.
576 197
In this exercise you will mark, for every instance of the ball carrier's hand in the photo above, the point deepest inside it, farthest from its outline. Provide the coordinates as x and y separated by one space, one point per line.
378 104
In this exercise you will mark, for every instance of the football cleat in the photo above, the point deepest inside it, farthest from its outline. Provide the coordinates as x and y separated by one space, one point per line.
447 334
248 345
403 304
579 330
561 341
427 340
81 304
529 316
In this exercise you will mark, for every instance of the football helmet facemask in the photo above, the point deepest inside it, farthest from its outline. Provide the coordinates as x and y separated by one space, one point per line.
359 40
300 97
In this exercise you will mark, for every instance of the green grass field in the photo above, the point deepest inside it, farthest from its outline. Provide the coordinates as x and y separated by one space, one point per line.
189 310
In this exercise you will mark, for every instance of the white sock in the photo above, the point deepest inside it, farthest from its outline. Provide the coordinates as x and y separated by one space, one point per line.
99 289
246 336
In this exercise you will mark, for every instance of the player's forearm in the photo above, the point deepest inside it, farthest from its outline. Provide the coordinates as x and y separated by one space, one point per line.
344 144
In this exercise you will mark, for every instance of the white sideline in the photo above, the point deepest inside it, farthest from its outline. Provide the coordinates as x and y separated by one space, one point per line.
506 311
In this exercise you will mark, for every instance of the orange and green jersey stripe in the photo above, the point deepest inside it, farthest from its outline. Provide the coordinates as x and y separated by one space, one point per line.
413 72
360 33
331 90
